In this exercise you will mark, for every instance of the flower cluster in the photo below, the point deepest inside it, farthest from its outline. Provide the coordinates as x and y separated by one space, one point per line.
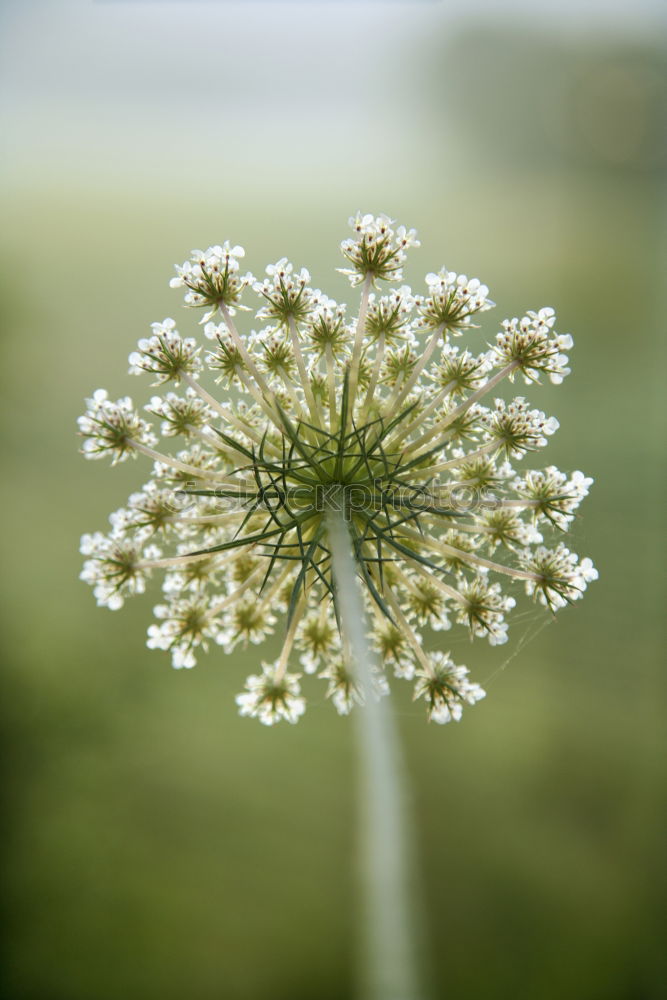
212 279
451 302
114 429
380 420
377 250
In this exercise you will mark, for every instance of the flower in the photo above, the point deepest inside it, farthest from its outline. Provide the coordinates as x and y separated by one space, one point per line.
451 302
377 250
187 415
288 294
166 355
186 624
527 344
343 688
212 279
372 414
114 429
446 688
271 696
117 568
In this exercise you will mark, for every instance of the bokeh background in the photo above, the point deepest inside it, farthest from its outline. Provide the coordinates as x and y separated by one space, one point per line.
155 845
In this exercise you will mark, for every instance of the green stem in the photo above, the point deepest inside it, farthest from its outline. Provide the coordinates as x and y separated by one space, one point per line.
358 342
447 421
399 395
389 955
303 373
331 381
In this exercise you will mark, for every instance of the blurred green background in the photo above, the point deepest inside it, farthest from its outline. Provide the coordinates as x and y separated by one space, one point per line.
156 846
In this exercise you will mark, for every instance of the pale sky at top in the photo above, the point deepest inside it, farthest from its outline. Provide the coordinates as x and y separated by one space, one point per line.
89 81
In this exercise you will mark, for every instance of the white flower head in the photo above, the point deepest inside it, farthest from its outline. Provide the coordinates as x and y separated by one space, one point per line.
529 346
212 279
166 355
451 302
272 696
377 251
287 294
113 429
445 688
370 411
116 567
557 576
185 625
184 415
343 688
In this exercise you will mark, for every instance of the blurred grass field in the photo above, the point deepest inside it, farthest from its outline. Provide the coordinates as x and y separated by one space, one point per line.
159 847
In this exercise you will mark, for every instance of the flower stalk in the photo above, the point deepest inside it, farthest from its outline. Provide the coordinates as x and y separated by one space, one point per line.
389 960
